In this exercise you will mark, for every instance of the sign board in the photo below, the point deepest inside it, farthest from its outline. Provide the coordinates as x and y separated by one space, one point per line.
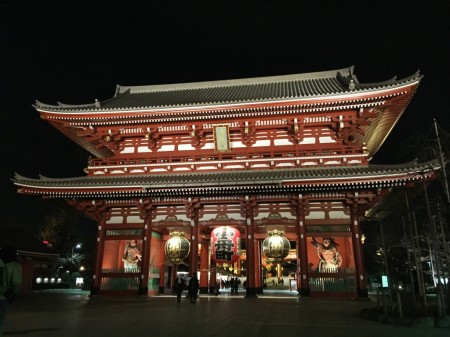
221 138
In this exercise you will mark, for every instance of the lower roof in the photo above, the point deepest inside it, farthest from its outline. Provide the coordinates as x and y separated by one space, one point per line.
231 182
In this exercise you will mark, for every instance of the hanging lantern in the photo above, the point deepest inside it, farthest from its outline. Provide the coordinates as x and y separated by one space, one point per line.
276 247
225 244
177 247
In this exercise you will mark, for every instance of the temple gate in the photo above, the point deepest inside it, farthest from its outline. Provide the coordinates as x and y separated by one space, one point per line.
284 153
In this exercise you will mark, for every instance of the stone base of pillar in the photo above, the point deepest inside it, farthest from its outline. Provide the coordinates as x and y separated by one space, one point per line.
363 293
259 290
306 292
161 290
143 291
203 290
250 293
94 291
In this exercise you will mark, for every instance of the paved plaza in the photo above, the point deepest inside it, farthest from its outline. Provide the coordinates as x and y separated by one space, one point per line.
74 313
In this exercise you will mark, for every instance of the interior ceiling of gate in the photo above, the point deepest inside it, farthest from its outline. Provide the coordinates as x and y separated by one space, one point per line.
266 216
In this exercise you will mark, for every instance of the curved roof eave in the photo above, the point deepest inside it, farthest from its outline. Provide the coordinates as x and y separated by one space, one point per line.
332 175
216 99
354 95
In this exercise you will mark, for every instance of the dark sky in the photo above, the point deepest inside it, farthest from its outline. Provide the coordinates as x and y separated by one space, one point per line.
77 51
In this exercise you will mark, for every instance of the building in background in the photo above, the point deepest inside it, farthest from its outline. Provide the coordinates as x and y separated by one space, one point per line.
38 261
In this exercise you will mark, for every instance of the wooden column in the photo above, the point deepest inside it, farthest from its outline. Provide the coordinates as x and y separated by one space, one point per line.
172 276
302 253
146 248
212 276
250 248
258 275
100 245
193 265
358 253
162 268
204 262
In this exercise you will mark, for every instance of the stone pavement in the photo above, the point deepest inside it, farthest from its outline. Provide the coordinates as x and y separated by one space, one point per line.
74 313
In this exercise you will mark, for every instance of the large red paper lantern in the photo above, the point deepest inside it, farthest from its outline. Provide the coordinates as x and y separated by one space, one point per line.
225 244
177 247
276 247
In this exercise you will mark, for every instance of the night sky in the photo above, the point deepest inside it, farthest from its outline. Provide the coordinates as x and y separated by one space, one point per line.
75 52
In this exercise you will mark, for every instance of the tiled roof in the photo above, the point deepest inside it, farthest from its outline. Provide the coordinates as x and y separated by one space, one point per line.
342 175
288 87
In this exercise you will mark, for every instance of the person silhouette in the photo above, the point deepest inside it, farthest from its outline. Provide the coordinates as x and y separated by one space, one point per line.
193 287
178 286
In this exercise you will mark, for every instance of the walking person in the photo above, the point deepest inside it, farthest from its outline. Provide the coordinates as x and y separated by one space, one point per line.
193 287
178 287
216 288
10 278
237 282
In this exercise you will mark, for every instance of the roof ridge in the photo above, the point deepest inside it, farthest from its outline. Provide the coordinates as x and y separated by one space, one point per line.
232 82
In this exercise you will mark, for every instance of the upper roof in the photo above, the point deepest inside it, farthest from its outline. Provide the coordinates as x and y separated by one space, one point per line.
247 90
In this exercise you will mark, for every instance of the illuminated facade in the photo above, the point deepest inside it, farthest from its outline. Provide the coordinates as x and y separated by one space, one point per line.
285 153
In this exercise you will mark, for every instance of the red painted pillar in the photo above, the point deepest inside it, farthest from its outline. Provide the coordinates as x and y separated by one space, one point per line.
193 265
302 254
162 268
100 245
146 247
257 259
204 262
358 253
250 240
173 275
212 276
